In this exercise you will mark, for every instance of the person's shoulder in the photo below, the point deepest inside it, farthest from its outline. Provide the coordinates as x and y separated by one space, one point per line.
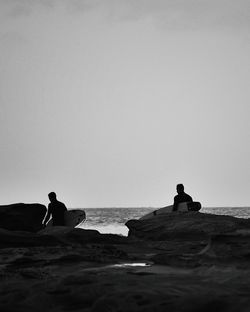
187 195
61 204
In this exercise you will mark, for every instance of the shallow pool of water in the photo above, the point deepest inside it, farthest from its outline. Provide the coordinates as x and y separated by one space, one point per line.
134 264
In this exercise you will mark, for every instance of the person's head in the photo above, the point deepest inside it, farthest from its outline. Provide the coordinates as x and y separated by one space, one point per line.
52 196
180 188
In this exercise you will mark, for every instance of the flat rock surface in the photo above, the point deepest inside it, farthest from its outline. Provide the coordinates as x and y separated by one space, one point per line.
72 284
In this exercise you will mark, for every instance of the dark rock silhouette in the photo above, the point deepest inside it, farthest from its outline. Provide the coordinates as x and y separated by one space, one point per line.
193 240
185 225
230 246
204 266
10 239
229 251
22 217
57 236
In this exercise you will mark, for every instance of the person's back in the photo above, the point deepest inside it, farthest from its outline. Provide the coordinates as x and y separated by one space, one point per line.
56 209
182 197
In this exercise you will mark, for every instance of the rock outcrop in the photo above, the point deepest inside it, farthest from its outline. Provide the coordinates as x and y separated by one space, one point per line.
57 236
199 263
22 217
185 225
84 278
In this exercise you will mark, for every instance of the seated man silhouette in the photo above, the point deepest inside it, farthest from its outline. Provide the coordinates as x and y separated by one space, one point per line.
182 197
56 209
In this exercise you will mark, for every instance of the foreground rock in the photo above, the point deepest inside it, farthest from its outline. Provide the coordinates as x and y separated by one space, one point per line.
192 240
62 269
22 217
83 277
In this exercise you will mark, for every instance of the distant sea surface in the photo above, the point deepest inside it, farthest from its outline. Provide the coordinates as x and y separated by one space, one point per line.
112 220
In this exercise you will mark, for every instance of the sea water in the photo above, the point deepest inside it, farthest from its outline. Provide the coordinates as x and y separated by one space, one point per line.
112 220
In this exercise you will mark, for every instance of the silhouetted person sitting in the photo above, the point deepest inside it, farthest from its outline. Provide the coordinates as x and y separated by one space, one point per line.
182 197
56 209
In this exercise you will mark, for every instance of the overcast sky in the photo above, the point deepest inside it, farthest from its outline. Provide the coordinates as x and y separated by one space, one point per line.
114 102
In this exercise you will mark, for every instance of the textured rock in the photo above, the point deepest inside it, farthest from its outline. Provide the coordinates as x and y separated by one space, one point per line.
192 240
231 250
63 269
80 276
58 235
80 236
107 289
25 239
234 245
22 217
185 225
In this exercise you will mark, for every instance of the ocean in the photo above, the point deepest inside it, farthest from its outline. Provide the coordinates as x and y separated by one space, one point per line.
112 220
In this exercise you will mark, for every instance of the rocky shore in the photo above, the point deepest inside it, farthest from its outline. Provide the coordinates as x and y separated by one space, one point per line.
181 262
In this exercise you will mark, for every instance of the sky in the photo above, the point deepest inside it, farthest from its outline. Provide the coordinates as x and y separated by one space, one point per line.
111 103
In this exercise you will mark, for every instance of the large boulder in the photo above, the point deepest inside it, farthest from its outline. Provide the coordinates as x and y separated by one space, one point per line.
22 217
185 225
